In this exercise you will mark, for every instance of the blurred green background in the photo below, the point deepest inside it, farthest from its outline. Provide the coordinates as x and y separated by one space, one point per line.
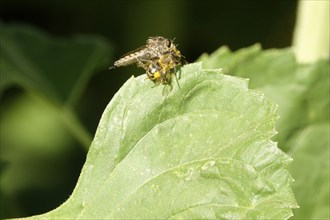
41 156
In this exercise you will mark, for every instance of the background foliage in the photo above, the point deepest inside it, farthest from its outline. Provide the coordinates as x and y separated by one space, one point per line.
50 113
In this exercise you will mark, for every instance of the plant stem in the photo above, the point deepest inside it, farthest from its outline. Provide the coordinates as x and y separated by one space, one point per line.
76 128
311 35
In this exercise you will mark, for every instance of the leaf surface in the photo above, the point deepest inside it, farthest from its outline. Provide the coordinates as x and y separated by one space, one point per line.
310 150
303 95
203 151
301 91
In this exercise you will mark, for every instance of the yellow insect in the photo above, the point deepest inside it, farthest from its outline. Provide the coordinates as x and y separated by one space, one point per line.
158 57
159 70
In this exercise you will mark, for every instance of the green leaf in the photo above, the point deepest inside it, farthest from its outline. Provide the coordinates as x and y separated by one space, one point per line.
203 151
302 92
59 68
317 96
275 72
38 126
310 150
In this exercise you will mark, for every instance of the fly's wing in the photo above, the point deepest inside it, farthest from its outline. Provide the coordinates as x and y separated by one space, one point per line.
144 54
141 48
138 55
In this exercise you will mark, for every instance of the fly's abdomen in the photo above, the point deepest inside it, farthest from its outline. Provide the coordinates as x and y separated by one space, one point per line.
136 57
127 60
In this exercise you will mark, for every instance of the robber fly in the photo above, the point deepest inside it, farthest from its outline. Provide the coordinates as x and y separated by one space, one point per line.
158 57
154 48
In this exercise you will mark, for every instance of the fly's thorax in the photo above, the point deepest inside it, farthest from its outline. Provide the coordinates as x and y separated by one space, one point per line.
160 45
158 41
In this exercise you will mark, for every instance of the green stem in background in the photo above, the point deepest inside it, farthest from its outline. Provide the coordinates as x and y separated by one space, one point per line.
311 35
75 127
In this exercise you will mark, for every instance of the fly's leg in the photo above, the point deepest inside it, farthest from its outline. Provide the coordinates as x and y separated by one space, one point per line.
143 63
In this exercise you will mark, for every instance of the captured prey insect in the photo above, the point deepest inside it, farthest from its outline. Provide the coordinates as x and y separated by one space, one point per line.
158 57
